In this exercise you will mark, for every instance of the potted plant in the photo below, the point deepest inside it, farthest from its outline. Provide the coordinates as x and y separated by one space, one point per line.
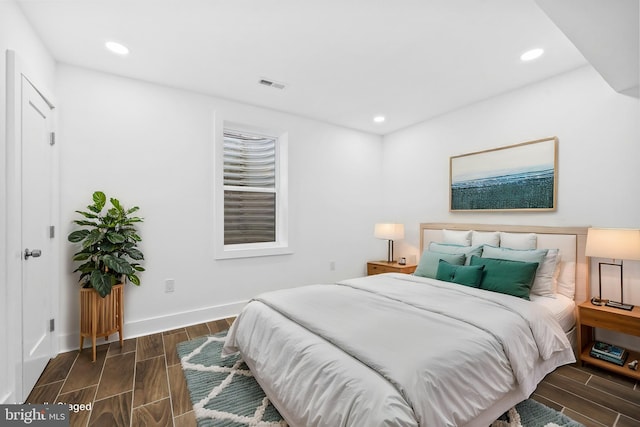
109 256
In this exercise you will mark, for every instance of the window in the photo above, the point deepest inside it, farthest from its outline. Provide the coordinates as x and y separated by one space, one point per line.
253 193
249 188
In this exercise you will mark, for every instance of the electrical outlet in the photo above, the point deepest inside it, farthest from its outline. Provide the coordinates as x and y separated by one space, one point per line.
332 265
169 285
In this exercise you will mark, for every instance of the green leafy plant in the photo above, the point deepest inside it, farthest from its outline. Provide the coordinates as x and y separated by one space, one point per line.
108 245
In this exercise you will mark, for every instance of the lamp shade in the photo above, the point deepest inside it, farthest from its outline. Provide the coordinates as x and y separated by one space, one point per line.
389 231
614 243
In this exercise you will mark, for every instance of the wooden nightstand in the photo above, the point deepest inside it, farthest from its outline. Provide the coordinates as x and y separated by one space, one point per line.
377 267
593 316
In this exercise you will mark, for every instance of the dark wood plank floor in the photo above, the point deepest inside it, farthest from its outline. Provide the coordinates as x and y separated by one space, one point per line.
142 384
591 396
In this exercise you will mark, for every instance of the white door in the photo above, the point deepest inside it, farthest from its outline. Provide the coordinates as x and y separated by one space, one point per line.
37 271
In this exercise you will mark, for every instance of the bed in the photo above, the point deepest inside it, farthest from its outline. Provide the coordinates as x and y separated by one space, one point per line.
409 350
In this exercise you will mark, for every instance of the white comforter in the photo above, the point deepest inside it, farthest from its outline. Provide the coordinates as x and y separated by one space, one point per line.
395 350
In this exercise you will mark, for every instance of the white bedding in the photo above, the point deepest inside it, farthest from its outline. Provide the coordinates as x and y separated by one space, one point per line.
563 309
396 350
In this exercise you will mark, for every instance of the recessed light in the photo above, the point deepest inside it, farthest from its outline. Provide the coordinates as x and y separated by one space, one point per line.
532 54
378 119
117 48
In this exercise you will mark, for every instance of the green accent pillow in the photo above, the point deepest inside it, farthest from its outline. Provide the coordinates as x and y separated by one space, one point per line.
546 259
468 275
507 277
446 248
428 265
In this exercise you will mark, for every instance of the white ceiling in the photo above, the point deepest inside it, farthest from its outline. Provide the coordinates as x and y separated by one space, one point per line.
607 34
343 61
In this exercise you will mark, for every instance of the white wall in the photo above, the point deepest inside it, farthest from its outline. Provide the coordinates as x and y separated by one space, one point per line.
15 34
152 146
599 151
598 131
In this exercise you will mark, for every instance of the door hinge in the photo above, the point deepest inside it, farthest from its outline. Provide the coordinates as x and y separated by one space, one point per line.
52 138
52 325
52 231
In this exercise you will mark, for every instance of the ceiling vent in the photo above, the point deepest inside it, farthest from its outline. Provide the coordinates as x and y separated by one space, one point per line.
271 83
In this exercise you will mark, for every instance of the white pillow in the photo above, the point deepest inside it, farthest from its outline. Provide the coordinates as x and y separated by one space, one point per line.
565 283
556 273
491 238
543 284
455 237
518 240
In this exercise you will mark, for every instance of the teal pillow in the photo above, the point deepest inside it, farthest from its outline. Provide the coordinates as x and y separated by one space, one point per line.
546 259
525 255
507 277
446 248
468 275
428 265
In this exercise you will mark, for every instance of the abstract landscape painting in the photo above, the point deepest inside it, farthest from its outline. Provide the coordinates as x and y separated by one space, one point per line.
519 177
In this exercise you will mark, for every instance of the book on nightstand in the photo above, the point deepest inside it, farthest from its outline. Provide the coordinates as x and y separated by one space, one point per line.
609 352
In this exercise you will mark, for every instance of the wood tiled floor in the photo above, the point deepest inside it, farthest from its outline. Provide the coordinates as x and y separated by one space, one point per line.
591 396
142 384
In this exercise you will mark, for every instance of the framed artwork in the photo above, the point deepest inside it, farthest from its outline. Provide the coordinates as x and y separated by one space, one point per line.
521 177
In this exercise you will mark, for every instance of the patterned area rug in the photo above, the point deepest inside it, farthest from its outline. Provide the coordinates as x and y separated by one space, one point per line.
225 394
533 414
223 390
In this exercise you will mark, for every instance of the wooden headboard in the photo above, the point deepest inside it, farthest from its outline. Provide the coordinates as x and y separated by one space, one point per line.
576 236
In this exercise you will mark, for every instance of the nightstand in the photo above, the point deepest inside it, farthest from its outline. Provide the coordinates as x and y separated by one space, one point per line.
593 316
378 267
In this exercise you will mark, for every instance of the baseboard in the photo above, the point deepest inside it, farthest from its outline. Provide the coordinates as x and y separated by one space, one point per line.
152 325
7 399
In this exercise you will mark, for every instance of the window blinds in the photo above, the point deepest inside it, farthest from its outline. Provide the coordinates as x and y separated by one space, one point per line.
249 188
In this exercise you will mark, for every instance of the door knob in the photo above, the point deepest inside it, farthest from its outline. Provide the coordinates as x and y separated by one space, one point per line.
34 253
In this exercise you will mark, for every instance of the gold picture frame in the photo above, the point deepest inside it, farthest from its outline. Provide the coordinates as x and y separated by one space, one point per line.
520 177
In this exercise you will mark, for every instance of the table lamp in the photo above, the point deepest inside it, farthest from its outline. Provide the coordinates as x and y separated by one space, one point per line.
614 243
389 232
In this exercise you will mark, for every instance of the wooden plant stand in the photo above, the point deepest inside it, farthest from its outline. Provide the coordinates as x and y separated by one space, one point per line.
100 317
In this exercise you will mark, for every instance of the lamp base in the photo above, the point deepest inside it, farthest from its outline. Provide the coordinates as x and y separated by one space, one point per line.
619 305
390 252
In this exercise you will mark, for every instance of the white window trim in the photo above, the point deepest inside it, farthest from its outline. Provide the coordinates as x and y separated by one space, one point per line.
281 245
